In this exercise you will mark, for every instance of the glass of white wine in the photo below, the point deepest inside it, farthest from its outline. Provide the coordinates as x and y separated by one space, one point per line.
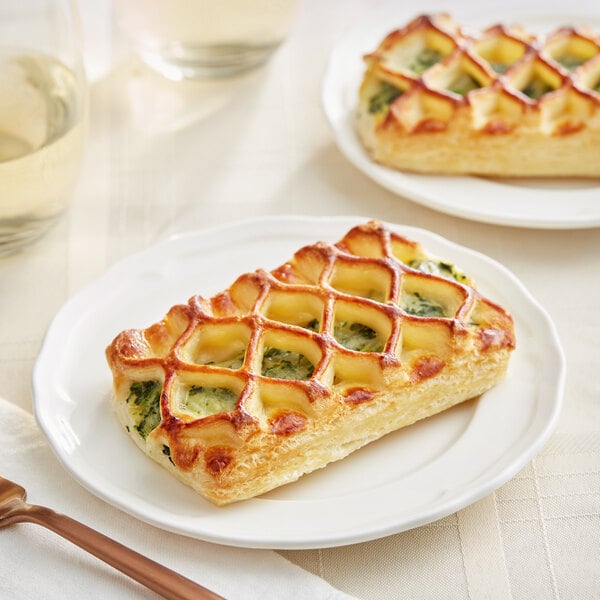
43 107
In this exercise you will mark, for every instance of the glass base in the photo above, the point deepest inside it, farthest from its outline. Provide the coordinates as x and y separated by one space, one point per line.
178 61
18 232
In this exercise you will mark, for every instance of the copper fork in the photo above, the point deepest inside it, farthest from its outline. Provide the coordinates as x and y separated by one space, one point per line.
167 583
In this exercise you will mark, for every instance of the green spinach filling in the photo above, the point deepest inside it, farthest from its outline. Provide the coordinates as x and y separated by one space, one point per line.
415 304
439 268
206 401
499 68
144 405
376 295
313 325
386 94
425 59
356 336
167 452
235 362
536 88
285 364
464 84
570 61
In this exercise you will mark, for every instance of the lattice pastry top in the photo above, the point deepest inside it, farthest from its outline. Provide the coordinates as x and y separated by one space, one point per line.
504 102
288 370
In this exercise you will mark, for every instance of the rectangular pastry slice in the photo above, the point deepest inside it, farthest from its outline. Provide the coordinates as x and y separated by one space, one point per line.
289 370
436 100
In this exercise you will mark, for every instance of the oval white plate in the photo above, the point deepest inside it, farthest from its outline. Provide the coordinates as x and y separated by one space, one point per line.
409 478
539 203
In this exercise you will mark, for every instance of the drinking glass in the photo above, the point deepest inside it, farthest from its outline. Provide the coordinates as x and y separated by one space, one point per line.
43 104
190 39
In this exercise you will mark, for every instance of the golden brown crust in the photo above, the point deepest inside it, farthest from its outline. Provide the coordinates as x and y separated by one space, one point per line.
277 429
532 116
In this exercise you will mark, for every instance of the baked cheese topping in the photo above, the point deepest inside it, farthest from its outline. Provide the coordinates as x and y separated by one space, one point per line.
204 401
285 364
235 362
440 268
356 336
416 304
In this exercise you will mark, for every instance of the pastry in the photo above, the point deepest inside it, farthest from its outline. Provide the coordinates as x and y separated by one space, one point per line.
502 103
288 370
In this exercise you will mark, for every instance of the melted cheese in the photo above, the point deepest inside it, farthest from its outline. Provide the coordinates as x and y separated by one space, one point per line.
415 304
356 336
204 401
284 364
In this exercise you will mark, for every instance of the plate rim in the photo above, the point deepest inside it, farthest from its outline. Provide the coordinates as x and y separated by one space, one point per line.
407 184
250 540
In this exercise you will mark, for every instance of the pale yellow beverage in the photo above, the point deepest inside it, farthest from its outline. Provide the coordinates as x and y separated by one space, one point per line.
42 122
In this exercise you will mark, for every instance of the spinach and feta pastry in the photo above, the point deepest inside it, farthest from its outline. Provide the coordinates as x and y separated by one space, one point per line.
504 102
289 370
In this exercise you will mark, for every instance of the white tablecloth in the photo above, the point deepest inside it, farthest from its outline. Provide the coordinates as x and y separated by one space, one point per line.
164 158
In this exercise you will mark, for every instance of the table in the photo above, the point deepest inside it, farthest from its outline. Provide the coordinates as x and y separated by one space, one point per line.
166 157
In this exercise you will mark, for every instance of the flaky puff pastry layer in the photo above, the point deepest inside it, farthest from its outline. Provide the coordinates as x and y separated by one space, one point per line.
289 370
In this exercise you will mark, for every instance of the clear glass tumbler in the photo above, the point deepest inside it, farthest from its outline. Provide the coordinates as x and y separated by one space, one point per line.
43 104
190 39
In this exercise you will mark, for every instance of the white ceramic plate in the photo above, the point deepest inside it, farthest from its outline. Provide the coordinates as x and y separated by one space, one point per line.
540 203
409 478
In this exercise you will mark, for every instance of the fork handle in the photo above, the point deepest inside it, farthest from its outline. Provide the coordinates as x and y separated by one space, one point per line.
157 577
